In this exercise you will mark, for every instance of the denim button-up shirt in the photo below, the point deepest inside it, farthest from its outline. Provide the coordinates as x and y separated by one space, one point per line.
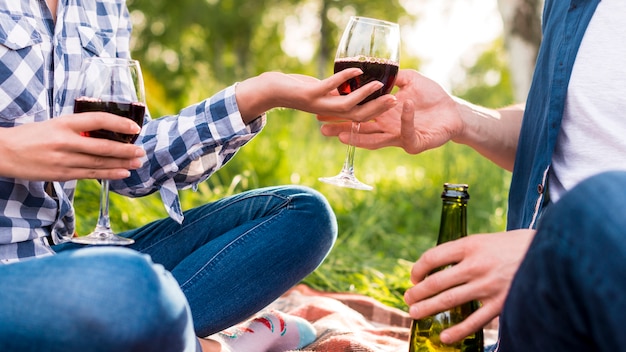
39 64
564 25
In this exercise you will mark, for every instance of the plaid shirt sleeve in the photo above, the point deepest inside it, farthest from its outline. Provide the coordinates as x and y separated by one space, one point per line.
185 149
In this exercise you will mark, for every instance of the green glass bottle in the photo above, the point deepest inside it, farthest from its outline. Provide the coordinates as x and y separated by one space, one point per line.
425 331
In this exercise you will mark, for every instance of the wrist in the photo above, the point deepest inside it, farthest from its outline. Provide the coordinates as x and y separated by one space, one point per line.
5 165
472 118
259 94
492 133
254 97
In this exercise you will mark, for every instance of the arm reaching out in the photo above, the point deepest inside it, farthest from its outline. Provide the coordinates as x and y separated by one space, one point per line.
259 94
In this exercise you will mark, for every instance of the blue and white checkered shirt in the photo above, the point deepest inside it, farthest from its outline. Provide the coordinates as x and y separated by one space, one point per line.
39 64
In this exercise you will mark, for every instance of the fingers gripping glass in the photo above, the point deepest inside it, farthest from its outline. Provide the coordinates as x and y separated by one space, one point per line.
373 46
115 86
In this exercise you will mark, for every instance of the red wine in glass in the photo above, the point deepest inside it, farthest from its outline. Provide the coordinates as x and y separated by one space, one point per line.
113 85
134 111
374 69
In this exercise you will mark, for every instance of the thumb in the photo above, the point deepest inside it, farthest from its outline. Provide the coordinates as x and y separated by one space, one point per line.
407 128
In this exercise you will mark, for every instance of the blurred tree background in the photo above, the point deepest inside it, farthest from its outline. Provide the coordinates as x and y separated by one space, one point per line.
190 49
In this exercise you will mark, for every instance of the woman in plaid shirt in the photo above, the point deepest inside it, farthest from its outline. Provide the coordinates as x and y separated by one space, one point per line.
230 258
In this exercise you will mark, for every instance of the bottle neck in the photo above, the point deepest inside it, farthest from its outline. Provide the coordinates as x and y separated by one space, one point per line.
453 220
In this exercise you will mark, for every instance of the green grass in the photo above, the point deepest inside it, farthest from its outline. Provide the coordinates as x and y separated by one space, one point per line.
380 232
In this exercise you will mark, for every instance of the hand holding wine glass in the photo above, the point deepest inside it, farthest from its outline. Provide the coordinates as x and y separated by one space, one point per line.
373 46
112 85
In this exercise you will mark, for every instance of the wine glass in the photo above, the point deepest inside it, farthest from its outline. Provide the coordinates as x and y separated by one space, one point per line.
112 85
373 46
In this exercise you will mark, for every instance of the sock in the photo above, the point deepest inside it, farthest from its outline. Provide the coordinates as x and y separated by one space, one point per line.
269 331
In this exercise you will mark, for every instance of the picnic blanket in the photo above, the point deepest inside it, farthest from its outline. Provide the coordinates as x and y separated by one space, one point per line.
348 322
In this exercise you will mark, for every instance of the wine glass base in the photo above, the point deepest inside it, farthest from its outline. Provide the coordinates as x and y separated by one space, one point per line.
346 180
103 238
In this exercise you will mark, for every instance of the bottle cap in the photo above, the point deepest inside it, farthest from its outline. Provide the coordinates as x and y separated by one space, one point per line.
455 190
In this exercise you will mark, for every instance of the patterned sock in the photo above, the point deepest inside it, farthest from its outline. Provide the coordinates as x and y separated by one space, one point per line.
269 331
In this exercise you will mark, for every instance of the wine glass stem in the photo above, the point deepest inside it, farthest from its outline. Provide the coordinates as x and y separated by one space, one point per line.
348 165
103 217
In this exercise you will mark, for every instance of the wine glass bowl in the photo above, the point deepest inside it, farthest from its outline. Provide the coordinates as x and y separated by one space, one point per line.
112 85
134 111
373 46
373 69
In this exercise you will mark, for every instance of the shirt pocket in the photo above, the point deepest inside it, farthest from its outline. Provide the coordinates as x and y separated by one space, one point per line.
96 32
96 43
22 88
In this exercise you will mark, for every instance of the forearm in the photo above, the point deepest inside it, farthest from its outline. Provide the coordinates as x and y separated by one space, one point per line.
190 146
492 133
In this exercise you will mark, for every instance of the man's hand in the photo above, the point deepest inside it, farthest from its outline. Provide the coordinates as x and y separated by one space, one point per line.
425 117
483 269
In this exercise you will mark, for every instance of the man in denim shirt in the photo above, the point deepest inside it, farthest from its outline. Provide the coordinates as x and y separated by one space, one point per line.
568 293
230 258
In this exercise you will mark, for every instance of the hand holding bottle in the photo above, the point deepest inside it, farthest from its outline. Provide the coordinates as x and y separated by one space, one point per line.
483 268
426 331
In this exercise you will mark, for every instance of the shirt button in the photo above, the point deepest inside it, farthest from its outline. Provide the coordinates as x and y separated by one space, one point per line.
540 188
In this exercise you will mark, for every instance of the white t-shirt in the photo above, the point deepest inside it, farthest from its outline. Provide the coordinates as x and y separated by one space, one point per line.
593 131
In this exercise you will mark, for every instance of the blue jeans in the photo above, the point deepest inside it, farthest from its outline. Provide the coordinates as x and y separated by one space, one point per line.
231 258
569 292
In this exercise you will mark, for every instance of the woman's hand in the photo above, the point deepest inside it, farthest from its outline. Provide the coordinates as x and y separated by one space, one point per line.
54 150
273 89
483 268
